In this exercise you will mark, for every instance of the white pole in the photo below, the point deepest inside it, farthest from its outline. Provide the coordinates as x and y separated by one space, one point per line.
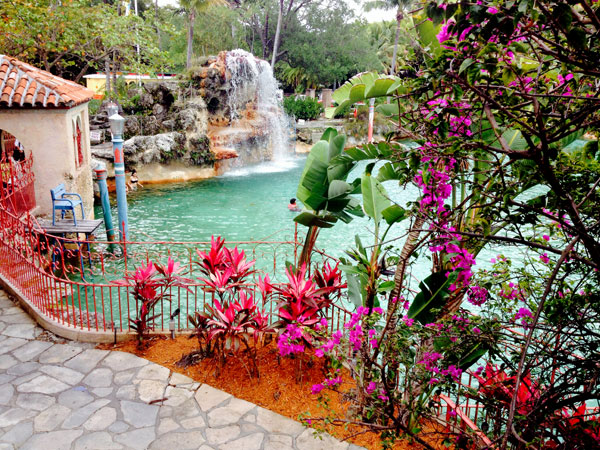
371 116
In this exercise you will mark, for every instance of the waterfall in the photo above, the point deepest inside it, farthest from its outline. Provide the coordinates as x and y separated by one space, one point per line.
254 99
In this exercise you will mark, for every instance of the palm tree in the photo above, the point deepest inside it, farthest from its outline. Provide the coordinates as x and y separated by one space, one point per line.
401 6
193 7
381 37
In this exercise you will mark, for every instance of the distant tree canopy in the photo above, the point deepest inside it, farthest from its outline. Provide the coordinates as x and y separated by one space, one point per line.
321 42
72 37
331 45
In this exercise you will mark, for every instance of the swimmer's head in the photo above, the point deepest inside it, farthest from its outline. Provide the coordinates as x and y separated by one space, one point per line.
293 201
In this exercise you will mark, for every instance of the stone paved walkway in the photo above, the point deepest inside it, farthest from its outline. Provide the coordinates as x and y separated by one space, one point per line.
67 395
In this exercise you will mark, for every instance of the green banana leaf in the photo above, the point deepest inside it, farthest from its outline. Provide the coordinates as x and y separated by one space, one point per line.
434 293
427 32
393 214
375 199
364 86
309 219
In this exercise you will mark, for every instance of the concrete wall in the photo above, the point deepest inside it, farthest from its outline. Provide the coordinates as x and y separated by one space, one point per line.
48 134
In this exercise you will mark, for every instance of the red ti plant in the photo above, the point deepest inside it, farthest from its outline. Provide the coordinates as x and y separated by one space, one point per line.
495 383
304 298
303 303
225 268
232 321
581 426
150 284
231 325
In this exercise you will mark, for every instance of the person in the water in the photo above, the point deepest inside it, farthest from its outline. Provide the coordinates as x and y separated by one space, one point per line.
134 182
293 206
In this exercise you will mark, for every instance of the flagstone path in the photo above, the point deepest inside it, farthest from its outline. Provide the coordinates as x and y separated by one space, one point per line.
57 394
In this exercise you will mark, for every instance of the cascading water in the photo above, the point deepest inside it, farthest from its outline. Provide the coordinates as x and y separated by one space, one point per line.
255 100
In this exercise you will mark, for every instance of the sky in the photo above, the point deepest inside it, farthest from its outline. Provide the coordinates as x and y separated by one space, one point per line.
371 16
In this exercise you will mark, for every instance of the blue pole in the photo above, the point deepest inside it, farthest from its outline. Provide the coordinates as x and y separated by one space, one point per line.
120 184
101 180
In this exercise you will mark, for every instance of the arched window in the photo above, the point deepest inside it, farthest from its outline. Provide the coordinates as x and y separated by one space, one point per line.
78 142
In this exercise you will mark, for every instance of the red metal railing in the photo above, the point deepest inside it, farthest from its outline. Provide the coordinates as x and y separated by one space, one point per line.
75 286
17 193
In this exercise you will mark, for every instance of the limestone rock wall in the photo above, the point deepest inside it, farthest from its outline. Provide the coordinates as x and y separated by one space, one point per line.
188 124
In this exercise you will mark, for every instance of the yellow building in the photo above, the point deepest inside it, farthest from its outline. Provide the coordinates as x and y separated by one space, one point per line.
97 82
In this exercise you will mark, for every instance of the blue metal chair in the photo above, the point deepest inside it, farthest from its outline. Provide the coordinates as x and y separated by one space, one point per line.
62 204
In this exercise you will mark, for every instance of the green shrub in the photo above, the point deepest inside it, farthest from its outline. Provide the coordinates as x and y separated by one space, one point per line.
307 108
94 106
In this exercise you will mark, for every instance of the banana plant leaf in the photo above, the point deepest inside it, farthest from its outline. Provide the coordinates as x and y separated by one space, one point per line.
323 187
427 32
354 289
309 219
328 134
434 293
312 187
390 110
390 171
375 199
393 214
364 86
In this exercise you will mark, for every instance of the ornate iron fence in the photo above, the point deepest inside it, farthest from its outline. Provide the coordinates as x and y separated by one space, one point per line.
71 280
17 192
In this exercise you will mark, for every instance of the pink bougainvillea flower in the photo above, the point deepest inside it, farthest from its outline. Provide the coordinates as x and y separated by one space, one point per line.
371 387
316 388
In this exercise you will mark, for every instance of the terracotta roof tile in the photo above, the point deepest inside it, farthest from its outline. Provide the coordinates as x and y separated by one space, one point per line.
24 85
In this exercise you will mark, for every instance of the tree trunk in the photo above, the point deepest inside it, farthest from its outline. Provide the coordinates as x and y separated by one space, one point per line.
399 17
309 244
277 33
190 39
392 307
407 250
107 93
263 37
156 24
114 74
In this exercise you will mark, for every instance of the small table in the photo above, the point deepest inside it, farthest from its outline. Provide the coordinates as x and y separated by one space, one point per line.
66 226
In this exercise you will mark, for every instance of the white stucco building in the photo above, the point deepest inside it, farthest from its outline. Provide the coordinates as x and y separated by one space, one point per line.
49 117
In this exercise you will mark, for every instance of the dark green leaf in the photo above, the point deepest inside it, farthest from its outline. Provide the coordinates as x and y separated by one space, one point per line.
434 293
309 219
393 214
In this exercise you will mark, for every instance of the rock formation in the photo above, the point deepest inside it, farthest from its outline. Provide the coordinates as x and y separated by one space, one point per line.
217 111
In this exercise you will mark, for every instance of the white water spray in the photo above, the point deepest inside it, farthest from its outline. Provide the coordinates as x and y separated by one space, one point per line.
252 80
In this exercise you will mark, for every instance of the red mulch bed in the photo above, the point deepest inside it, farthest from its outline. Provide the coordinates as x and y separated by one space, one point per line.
276 389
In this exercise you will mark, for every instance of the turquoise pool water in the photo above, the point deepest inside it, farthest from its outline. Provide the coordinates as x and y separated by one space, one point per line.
248 204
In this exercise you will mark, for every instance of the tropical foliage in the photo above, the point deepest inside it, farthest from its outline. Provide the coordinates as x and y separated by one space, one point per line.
500 94
74 37
151 284
302 108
